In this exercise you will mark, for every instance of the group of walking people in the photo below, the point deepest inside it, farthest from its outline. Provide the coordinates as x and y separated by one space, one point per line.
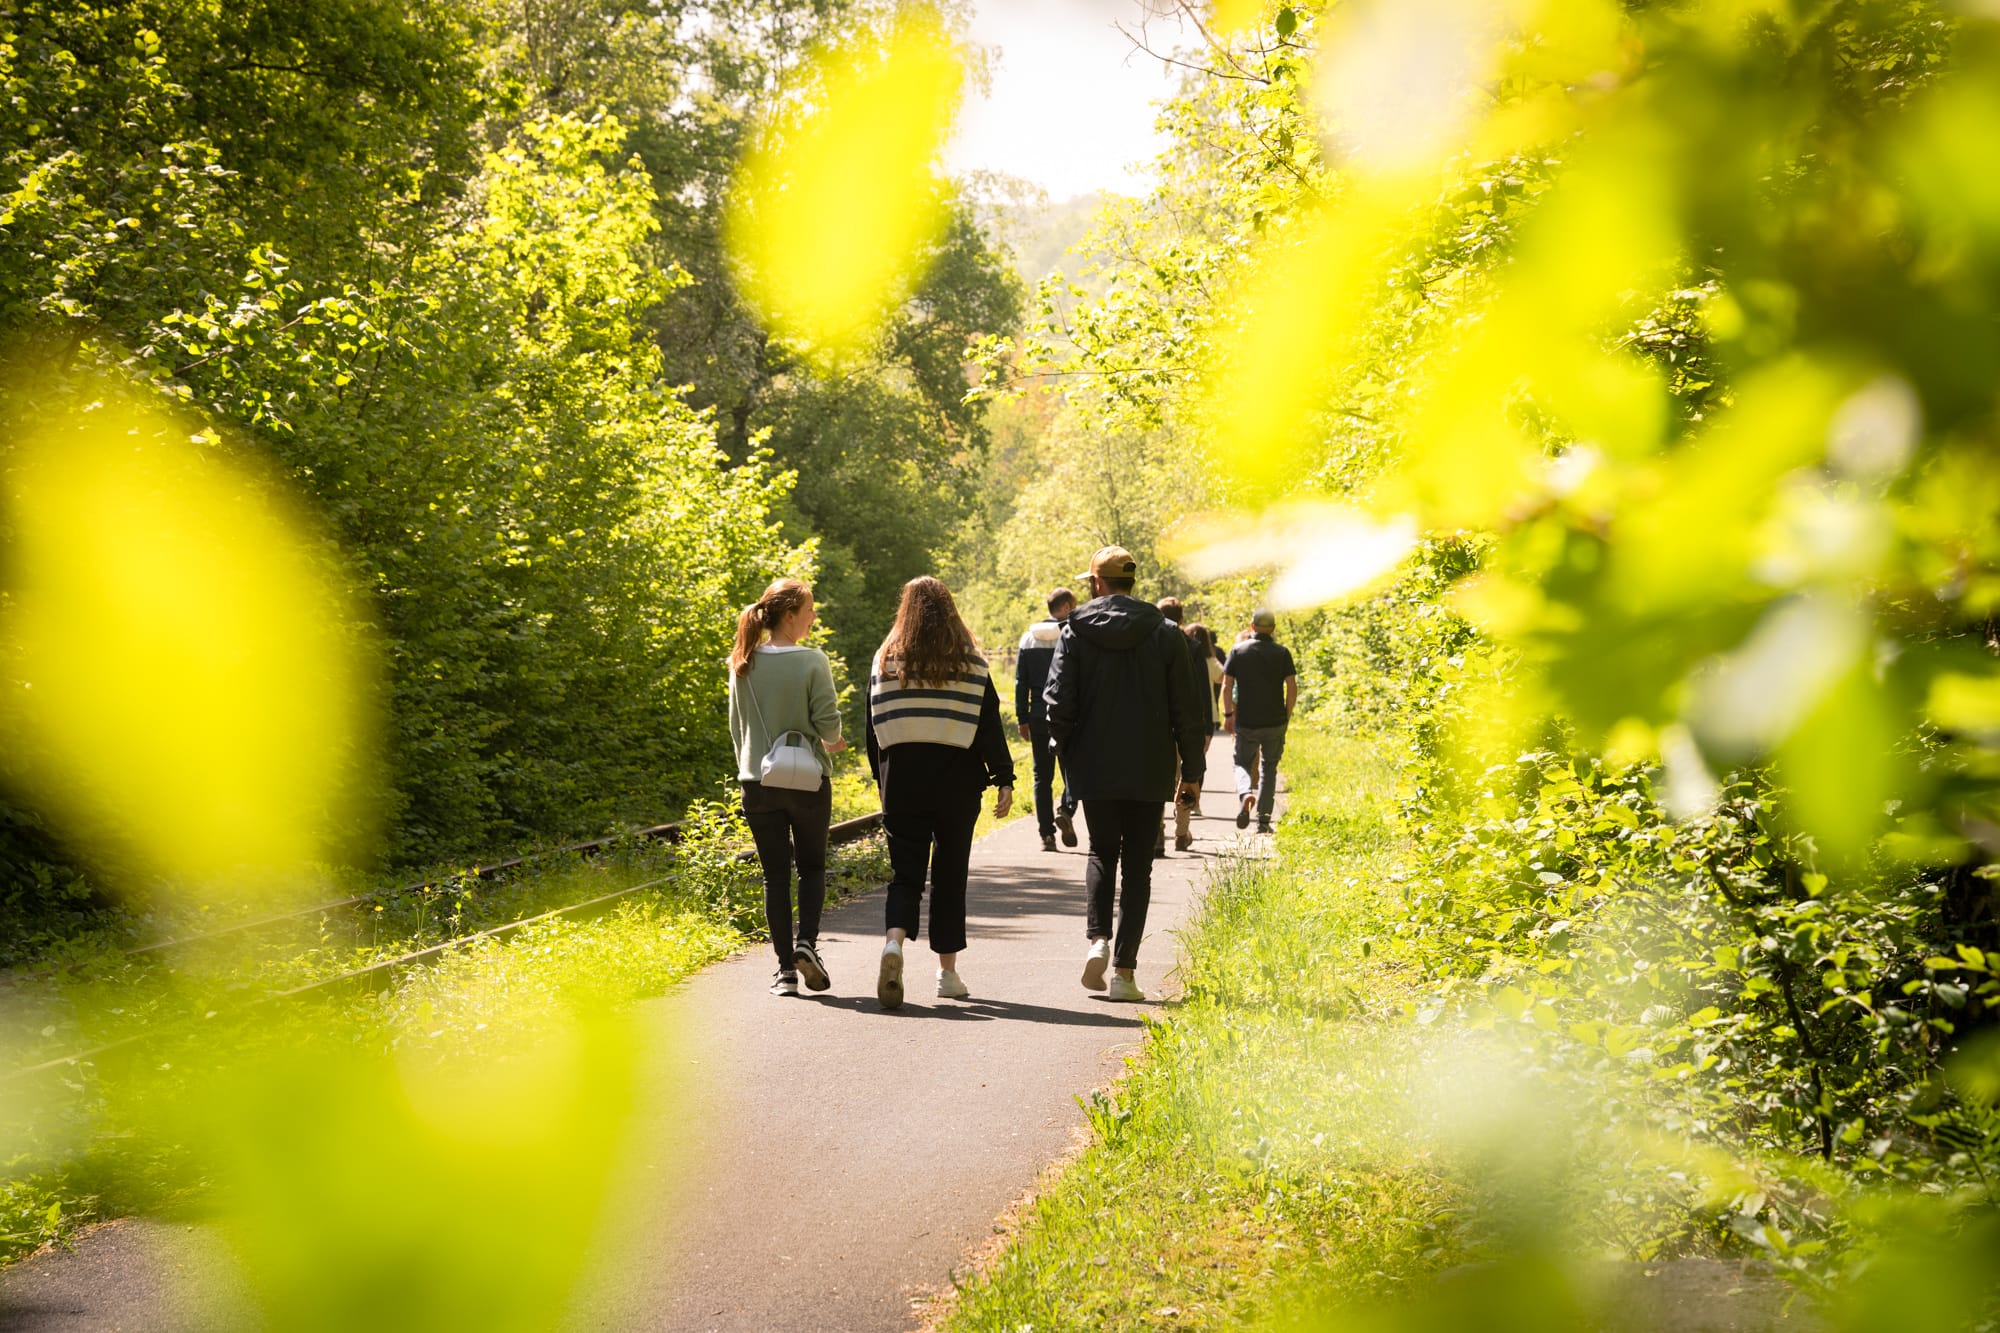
1112 696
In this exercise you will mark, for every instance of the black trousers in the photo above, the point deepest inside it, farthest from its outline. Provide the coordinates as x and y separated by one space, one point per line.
1121 833
790 827
1046 766
929 827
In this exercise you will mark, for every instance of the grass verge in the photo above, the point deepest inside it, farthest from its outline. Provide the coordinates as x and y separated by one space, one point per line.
83 1143
1253 1154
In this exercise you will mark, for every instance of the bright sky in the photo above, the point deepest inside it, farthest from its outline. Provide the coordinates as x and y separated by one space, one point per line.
1071 107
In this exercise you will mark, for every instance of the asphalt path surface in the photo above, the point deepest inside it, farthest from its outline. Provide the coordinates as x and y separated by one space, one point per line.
808 1163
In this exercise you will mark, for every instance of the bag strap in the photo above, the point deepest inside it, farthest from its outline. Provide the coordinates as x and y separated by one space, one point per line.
743 685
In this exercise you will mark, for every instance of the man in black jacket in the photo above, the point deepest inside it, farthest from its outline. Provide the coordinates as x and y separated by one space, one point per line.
1031 674
1123 709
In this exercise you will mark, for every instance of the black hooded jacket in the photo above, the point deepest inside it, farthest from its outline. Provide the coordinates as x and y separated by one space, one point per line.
1122 703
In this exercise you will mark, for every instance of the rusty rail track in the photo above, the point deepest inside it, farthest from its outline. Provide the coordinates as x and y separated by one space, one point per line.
381 973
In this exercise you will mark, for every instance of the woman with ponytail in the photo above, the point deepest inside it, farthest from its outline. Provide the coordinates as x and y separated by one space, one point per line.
935 742
778 687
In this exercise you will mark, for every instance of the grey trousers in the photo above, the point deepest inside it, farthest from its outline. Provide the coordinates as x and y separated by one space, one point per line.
1251 780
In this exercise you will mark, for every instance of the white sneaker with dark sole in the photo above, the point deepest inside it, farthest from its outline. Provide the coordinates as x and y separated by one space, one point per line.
1124 988
785 983
1243 809
1095 963
949 986
889 980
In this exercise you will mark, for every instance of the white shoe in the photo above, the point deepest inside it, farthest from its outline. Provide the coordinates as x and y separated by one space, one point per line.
889 980
1094 964
949 986
1124 988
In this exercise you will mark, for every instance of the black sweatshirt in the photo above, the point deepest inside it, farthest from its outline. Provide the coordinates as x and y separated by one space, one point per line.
1124 707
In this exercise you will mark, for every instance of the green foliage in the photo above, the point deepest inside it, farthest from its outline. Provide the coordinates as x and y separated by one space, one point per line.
458 269
1262 1147
714 871
1679 356
449 319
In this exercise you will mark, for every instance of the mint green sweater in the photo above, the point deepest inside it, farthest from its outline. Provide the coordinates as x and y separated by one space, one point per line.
794 691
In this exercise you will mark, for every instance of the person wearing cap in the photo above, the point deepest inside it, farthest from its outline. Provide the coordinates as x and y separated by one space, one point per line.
1031 673
1260 685
1184 811
1125 713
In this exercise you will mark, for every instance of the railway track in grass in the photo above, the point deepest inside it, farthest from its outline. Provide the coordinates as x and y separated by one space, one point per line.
379 974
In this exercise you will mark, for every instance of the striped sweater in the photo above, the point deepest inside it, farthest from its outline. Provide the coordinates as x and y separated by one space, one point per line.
945 714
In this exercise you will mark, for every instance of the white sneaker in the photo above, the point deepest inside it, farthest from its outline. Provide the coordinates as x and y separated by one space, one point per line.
889 981
949 986
1124 988
1094 964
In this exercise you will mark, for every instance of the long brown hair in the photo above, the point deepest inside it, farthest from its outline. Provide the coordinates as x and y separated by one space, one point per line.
929 644
762 616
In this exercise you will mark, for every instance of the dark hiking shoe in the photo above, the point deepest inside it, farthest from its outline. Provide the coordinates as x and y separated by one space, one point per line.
1066 825
889 981
811 970
1049 843
786 982
1243 809
1263 826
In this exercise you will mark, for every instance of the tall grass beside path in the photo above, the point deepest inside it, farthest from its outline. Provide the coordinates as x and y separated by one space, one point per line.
1350 1123
1249 1155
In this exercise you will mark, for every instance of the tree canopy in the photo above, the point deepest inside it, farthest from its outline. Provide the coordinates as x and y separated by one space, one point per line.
457 268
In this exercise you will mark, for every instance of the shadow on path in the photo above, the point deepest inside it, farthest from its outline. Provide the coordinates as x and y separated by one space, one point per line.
976 1009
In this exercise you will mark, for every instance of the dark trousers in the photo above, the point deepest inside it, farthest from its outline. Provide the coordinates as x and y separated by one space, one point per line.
929 828
790 826
1121 833
1046 765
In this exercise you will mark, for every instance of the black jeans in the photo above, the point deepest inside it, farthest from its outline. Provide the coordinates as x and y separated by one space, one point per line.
929 829
1046 765
790 826
1120 832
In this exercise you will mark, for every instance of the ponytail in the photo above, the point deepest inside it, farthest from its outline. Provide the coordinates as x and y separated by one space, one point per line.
762 616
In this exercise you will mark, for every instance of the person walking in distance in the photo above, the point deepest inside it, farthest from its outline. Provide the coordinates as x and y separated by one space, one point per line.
1185 810
1031 674
778 688
1211 656
1259 688
935 742
1124 712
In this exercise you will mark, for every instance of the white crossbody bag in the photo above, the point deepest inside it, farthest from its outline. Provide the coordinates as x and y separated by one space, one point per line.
791 762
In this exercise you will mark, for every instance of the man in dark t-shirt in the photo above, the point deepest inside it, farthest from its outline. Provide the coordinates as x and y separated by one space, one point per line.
1259 687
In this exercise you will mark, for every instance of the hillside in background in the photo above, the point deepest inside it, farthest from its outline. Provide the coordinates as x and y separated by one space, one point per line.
1041 234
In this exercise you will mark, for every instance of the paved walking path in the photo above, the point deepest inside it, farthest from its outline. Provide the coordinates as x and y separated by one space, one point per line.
818 1163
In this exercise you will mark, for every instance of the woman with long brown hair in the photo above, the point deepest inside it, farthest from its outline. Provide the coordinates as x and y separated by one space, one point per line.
776 689
1211 659
935 742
